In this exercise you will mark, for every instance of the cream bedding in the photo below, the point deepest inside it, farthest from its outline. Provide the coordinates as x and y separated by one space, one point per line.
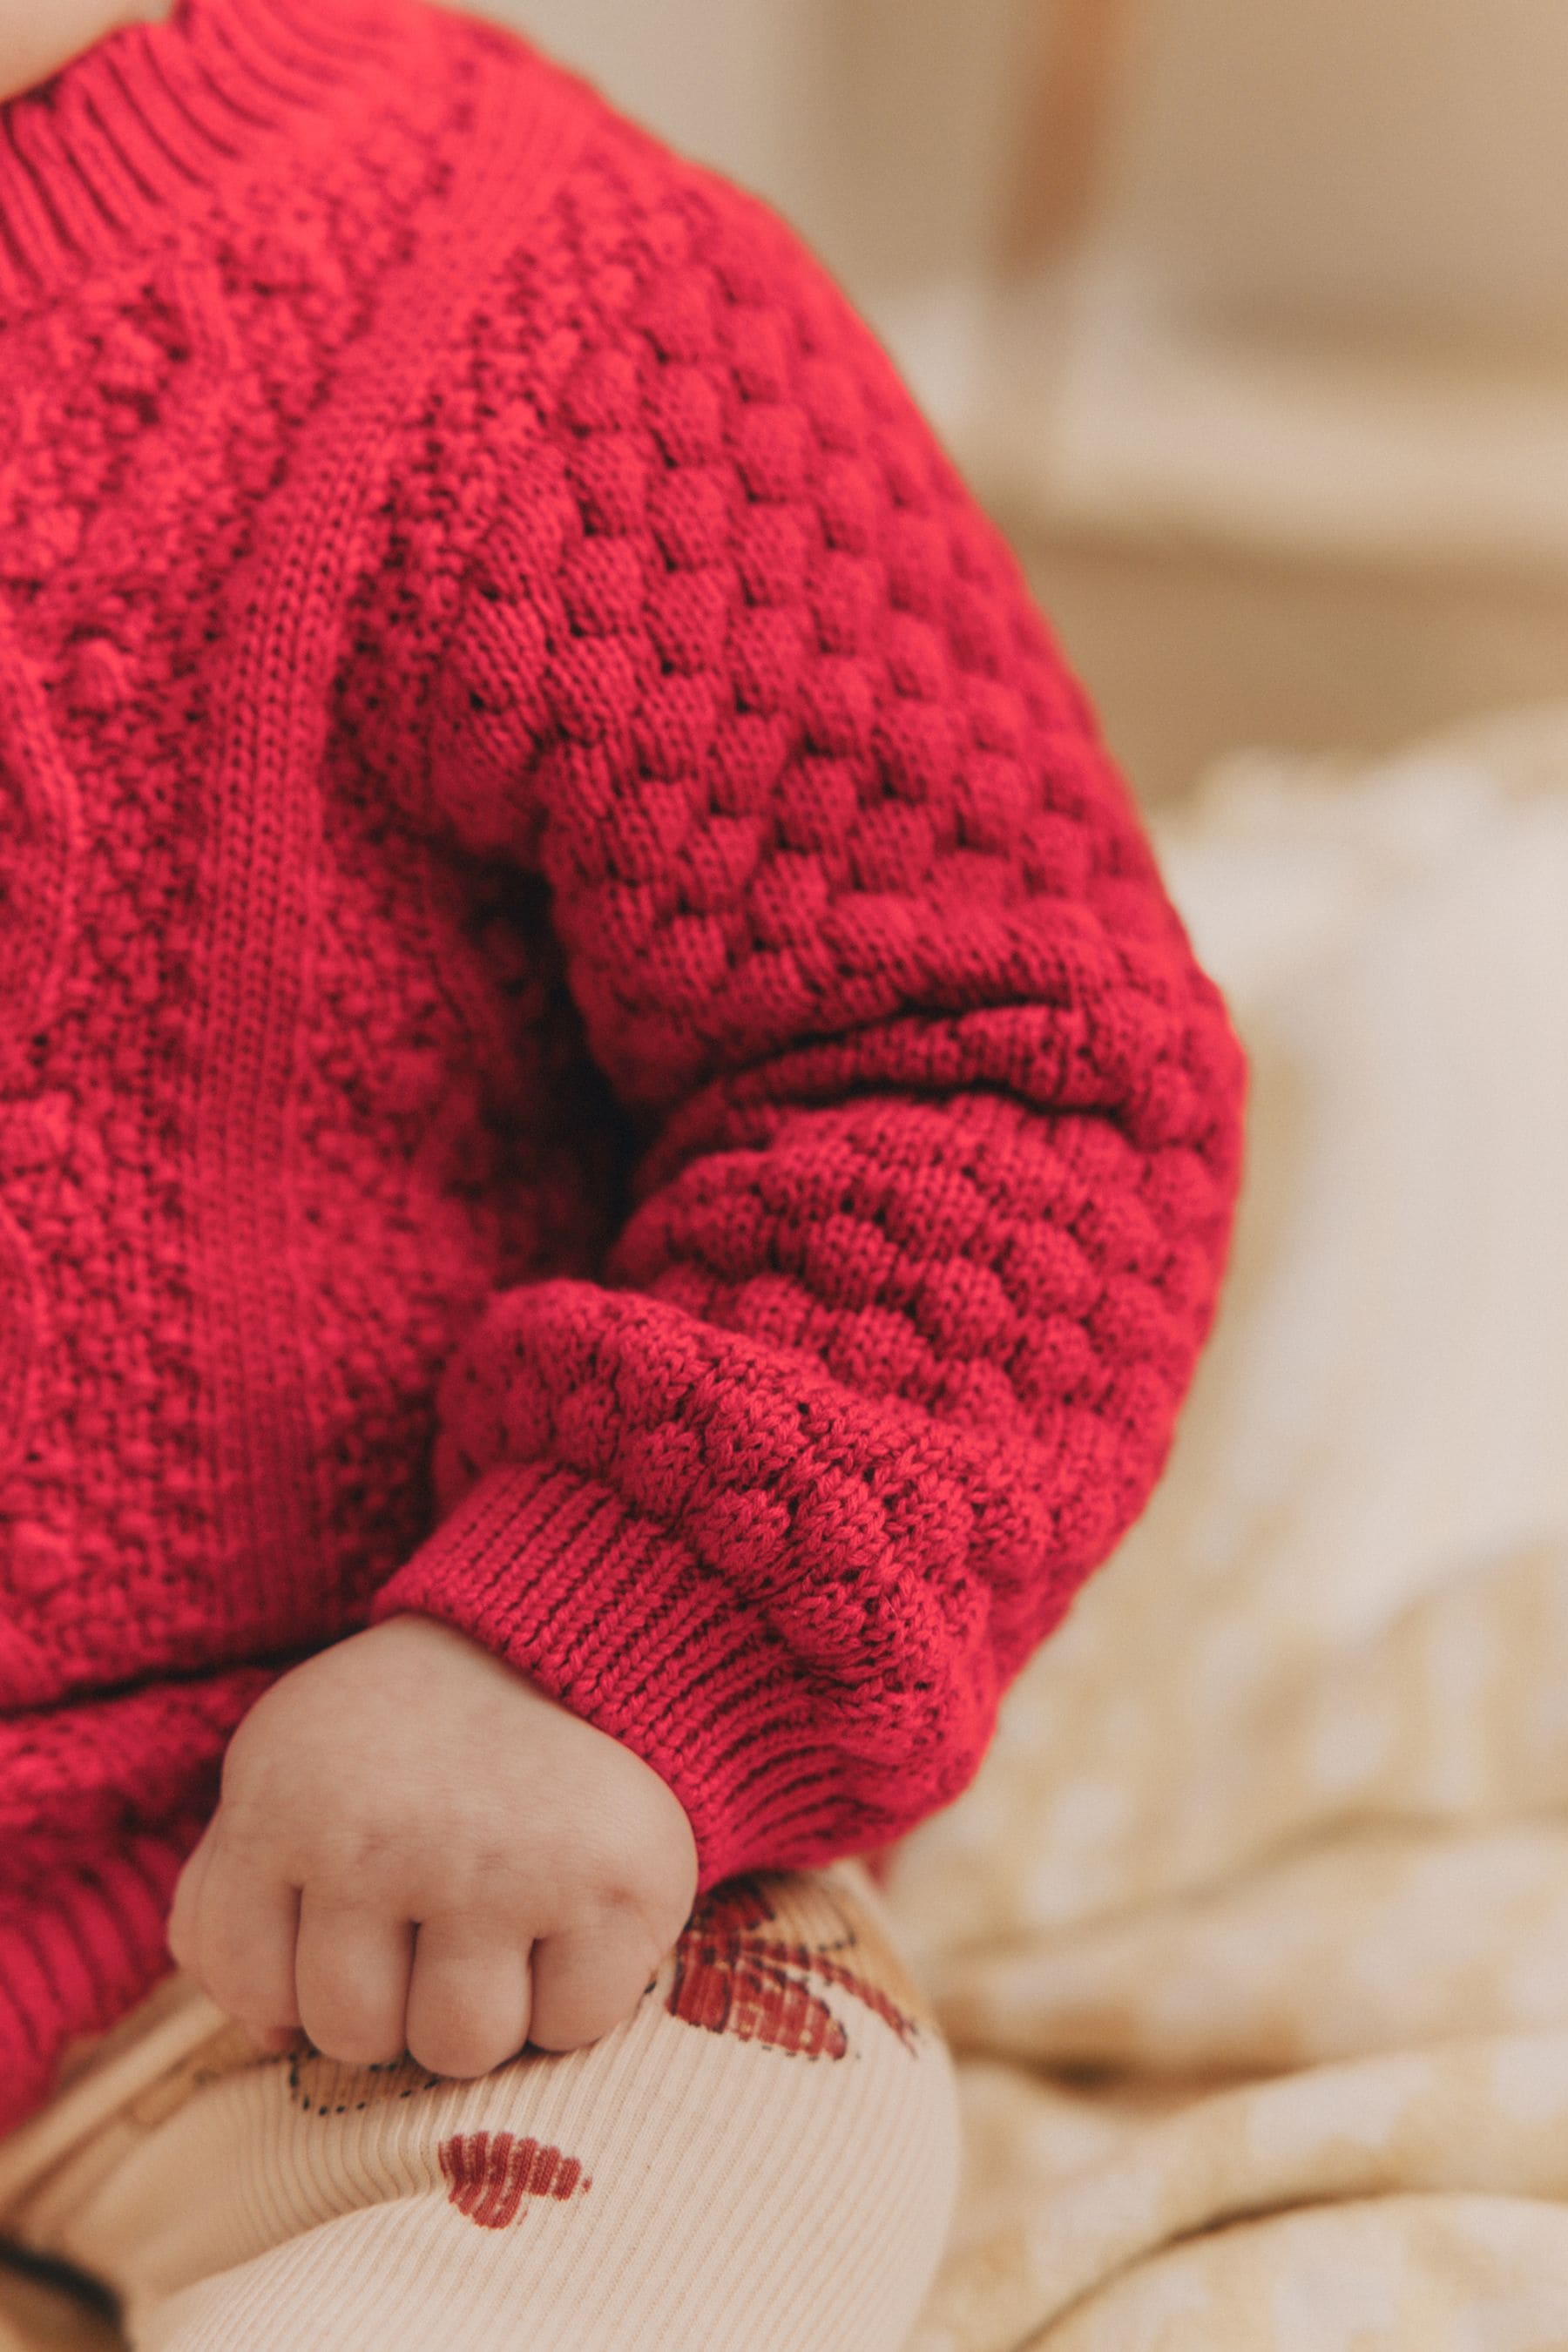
1252 1934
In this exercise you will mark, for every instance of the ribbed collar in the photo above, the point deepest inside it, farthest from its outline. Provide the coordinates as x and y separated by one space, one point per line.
151 119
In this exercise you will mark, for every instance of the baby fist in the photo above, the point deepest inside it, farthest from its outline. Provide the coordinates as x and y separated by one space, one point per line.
418 1849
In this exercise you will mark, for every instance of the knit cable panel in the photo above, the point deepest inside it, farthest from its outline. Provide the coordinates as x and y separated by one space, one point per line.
941 1120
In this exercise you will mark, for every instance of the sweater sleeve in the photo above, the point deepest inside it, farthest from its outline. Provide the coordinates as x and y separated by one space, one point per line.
938 1121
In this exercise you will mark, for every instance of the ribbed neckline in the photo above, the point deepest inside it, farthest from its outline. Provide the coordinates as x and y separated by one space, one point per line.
153 119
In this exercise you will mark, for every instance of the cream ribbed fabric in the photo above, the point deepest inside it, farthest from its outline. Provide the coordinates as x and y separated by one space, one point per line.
763 2156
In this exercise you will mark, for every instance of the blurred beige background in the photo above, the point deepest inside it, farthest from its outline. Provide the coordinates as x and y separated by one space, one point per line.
1247 318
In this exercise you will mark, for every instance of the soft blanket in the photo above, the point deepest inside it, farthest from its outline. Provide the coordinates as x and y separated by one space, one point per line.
1252 1934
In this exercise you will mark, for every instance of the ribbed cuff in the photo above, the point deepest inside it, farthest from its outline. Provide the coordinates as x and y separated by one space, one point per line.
616 1618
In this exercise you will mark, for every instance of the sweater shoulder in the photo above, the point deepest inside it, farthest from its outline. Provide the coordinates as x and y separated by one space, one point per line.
661 375
640 246
649 311
625 207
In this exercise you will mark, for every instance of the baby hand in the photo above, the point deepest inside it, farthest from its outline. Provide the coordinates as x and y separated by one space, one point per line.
418 1849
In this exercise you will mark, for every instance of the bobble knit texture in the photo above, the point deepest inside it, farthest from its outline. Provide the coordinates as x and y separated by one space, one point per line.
595 1049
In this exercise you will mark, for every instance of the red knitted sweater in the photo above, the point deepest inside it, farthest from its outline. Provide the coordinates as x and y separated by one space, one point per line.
593 1046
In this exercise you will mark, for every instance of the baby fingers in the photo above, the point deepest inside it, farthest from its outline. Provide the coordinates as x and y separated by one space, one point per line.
468 1996
587 1980
351 1964
233 1927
